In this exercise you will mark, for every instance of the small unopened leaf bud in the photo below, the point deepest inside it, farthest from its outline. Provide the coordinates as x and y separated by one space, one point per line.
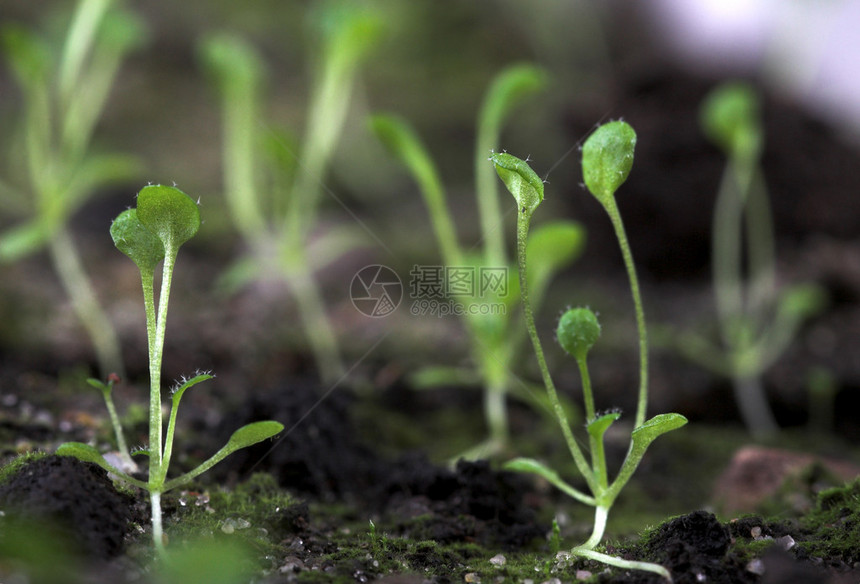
578 330
523 182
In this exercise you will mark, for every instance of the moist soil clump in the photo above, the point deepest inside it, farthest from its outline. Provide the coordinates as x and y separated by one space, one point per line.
319 456
694 548
75 500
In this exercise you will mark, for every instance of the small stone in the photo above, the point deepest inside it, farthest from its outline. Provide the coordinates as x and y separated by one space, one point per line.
755 532
228 527
583 574
473 577
242 523
498 560
756 567
786 542
291 564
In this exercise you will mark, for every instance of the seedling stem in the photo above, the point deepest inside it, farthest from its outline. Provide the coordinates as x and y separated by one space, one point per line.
606 160
150 234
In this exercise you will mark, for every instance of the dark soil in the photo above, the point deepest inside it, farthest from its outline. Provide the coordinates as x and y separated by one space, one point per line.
74 498
320 455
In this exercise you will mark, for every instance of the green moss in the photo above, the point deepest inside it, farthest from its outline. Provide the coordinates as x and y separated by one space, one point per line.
746 549
9 469
256 513
832 529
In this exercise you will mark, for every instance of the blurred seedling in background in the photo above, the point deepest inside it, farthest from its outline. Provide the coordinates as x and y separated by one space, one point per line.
756 321
822 387
152 233
273 186
607 157
64 92
495 339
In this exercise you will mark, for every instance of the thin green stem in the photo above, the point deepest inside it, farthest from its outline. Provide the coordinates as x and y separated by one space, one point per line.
741 308
168 440
83 107
240 123
627 255
587 393
329 105
88 16
67 263
312 313
489 209
753 405
523 219
492 360
496 412
595 443
726 256
121 444
157 467
147 280
761 252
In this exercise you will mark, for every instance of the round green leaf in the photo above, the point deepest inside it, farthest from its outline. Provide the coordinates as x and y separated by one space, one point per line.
607 157
250 434
133 239
508 90
523 182
578 330
730 118
232 62
169 213
802 301
350 29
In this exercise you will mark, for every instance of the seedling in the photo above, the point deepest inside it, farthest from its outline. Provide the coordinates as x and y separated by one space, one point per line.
272 192
495 338
607 157
64 95
152 233
756 322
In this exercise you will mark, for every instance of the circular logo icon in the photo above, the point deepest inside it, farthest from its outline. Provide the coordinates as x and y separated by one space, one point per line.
376 291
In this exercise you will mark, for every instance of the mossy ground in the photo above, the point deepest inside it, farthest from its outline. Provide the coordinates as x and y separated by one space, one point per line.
257 530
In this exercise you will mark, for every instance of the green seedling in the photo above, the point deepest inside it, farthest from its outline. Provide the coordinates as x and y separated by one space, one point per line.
495 337
273 192
756 321
607 157
64 94
151 234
